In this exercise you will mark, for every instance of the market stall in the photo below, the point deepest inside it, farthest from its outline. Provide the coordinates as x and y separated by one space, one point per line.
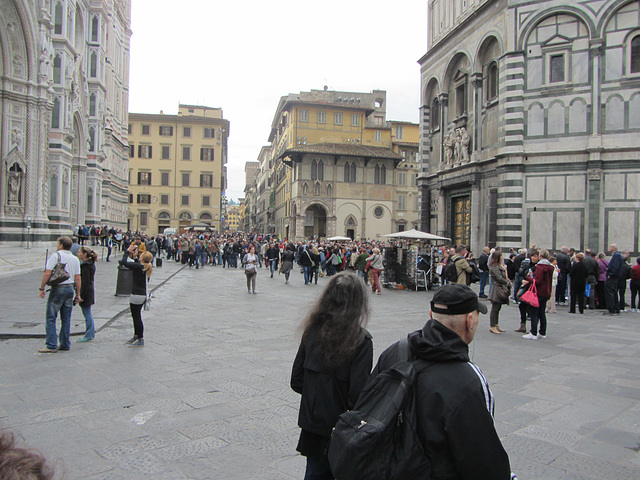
412 263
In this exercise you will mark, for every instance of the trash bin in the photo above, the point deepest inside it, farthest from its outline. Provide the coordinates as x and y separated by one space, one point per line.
124 282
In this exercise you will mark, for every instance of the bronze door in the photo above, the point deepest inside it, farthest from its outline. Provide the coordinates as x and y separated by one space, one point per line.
461 220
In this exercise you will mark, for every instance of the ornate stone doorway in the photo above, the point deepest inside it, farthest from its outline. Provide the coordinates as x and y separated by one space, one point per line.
315 221
461 220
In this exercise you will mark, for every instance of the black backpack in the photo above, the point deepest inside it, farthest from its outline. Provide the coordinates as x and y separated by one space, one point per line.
377 440
525 266
450 270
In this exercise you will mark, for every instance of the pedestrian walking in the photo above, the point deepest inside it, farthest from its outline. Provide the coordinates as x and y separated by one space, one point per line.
288 258
250 261
87 295
331 367
141 270
500 290
61 296
376 266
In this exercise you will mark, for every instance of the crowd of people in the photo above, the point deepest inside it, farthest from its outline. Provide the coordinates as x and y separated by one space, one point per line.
579 280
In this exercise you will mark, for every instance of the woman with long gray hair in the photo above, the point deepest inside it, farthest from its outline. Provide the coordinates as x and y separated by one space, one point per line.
332 365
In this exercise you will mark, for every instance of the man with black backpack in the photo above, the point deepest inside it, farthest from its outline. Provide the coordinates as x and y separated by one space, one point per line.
444 408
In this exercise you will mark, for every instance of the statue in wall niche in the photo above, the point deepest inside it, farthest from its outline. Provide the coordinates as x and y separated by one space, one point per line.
464 144
457 145
447 142
15 182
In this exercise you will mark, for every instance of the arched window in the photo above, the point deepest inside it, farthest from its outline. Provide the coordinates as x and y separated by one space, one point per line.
92 139
317 170
380 175
53 191
93 69
89 200
57 64
164 216
305 189
57 19
635 54
92 105
347 172
55 114
492 81
94 29
435 114
329 190
353 172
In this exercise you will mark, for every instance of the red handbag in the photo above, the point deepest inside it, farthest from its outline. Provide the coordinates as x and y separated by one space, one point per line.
531 295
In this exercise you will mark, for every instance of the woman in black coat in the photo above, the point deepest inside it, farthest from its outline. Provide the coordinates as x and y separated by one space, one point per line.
578 283
87 293
332 366
141 271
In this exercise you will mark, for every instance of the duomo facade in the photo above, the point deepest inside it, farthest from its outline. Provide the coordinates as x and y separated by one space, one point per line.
63 107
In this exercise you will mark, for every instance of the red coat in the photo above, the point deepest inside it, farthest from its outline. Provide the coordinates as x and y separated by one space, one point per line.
543 275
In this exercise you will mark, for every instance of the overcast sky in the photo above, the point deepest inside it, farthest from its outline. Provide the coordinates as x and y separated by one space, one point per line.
242 56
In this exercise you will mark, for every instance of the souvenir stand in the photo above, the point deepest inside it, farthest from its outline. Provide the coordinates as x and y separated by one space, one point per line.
412 261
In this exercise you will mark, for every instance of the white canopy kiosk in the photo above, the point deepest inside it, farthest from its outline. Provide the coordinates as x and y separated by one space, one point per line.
413 264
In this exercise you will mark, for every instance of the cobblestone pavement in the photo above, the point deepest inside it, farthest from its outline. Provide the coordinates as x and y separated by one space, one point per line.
208 396
24 315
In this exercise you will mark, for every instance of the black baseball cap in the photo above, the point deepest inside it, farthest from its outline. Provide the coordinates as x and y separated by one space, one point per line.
459 299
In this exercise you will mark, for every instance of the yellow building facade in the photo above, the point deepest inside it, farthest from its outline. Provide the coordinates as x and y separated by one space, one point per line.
333 166
405 141
235 214
177 169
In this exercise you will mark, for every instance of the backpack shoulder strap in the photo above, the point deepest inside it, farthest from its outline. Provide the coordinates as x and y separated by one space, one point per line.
404 354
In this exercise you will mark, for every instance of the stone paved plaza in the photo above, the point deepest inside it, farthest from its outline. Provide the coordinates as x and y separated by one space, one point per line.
208 397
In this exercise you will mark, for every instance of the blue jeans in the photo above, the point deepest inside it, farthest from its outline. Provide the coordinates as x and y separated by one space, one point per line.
272 265
90 330
484 276
60 300
203 258
317 470
306 271
363 275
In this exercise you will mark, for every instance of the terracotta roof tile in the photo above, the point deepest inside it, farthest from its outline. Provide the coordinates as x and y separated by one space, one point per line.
342 149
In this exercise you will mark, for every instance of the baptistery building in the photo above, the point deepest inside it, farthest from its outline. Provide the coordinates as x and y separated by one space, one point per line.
63 116
529 123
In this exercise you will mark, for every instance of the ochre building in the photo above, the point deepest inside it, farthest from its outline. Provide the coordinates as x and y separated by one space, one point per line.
177 169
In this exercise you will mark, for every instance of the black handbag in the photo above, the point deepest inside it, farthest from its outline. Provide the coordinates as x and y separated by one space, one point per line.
58 274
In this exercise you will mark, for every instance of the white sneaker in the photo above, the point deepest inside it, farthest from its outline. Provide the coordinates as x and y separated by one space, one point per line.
541 336
530 336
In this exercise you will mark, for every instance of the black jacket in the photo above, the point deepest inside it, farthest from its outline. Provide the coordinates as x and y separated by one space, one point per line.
325 391
564 262
454 408
87 274
305 258
578 274
139 286
483 262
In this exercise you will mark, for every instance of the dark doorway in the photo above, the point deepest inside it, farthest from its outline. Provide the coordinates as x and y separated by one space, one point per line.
315 222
